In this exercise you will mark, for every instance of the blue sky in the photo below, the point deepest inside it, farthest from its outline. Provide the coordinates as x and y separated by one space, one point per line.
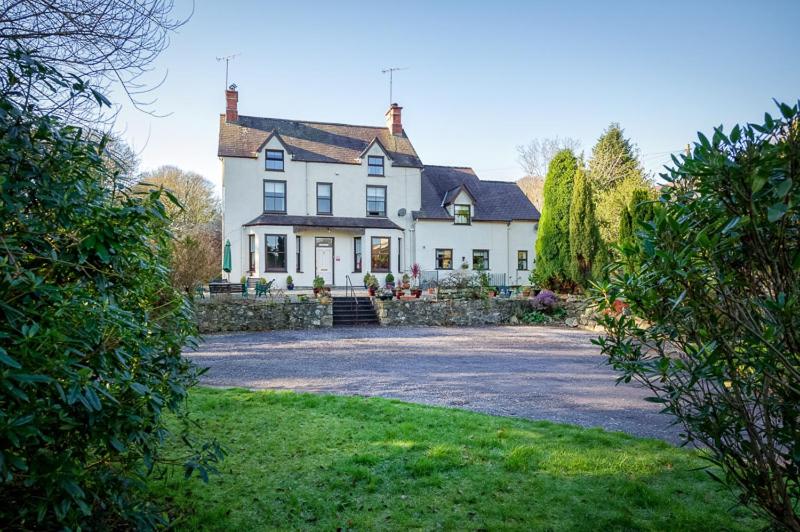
482 77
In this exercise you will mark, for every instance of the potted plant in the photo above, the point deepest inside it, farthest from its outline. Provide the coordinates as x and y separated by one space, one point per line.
372 284
390 281
526 291
386 294
492 291
415 273
318 284
406 281
289 282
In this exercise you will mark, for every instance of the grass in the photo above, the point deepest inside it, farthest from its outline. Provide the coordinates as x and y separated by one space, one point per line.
300 461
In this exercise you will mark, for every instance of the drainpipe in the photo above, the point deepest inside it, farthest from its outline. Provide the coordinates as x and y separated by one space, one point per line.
306 191
508 253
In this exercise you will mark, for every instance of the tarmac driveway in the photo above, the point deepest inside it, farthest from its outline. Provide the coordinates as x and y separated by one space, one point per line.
532 372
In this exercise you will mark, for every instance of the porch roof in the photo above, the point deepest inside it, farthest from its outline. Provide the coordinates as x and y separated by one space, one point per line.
324 222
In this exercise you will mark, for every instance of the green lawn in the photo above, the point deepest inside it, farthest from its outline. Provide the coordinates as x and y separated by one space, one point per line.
309 461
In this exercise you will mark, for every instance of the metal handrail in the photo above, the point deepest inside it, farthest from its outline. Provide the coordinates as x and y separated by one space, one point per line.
348 284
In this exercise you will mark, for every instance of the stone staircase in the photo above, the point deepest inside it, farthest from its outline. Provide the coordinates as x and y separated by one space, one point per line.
349 311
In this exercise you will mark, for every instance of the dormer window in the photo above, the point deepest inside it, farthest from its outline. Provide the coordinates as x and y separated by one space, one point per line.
274 160
375 164
462 214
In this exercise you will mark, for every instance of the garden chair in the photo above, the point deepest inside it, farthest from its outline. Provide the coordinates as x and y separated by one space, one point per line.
198 290
264 289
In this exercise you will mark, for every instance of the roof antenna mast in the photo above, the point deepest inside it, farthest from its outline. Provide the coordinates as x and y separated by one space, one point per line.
391 71
227 59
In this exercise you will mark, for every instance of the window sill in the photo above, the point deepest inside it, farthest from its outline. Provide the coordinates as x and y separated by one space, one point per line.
274 170
274 212
276 271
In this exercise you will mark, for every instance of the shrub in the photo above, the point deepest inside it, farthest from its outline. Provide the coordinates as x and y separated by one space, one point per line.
318 282
91 340
585 246
535 317
389 279
545 301
289 280
713 289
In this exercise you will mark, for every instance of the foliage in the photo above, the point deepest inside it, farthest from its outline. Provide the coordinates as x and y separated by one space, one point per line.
389 278
318 282
360 463
552 243
638 211
91 340
406 278
535 317
714 300
545 301
289 280
585 245
370 281
416 271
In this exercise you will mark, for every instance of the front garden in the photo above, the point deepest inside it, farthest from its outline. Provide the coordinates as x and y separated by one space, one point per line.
298 461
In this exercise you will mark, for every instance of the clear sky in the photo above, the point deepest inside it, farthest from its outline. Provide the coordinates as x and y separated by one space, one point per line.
482 77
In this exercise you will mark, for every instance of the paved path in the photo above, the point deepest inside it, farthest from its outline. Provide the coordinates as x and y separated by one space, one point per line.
532 372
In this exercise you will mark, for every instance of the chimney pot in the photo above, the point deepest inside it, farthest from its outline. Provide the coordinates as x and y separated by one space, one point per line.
231 104
393 119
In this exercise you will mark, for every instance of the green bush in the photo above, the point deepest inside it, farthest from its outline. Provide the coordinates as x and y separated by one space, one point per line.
713 325
91 340
585 246
552 243
389 278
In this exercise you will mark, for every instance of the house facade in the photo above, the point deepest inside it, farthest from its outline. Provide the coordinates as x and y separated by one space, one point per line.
308 199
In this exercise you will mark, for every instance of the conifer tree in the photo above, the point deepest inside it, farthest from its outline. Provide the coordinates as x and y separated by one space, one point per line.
584 237
552 244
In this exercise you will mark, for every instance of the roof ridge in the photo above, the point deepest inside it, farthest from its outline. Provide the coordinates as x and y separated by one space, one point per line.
311 121
448 166
498 181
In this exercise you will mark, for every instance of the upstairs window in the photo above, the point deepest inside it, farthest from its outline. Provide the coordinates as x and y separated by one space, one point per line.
376 201
480 259
274 160
324 198
462 214
522 260
375 163
275 196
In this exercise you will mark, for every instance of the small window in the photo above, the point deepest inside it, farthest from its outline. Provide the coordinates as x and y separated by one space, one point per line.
376 201
375 164
274 160
297 253
356 254
381 253
275 196
480 259
444 259
462 215
251 247
522 260
324 198
275 250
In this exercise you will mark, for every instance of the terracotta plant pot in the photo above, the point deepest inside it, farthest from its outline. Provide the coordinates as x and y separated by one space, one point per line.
526 292
316 291
417 292
371 291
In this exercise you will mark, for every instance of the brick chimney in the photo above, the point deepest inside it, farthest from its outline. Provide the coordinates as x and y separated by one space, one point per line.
393 121
231 104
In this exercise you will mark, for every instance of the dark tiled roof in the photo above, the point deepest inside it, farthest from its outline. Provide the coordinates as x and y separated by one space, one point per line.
323 221
312 141
493 200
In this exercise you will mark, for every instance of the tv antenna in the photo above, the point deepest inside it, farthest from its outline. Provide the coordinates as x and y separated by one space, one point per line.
391 71
227 59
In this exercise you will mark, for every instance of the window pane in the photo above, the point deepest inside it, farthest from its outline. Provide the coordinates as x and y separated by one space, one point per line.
462 214
444 259
376 201
357 254
275 196
324 192
380 254
480 259
375 165
275 252
274 160
522 260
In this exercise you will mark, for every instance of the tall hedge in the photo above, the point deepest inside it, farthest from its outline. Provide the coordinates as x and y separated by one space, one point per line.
638 211
92 329
552 243
586 246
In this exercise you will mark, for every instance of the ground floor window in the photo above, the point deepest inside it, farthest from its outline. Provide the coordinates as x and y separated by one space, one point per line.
275 251
356 254
522 260
251 246
480 259
297 253
381 253
444 259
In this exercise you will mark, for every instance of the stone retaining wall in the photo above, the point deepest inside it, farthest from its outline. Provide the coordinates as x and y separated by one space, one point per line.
222 314
448 312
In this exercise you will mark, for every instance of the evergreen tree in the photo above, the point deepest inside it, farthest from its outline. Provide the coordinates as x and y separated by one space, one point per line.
615 173
639 210
584 238
552 244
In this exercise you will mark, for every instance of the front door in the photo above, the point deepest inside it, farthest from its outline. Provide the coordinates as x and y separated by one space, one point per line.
325 259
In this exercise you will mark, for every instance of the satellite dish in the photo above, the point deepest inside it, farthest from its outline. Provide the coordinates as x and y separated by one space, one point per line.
401 212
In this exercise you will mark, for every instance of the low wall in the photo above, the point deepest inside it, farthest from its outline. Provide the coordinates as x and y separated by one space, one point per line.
221 314
448 312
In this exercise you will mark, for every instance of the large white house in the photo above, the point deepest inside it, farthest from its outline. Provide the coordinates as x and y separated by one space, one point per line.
306 198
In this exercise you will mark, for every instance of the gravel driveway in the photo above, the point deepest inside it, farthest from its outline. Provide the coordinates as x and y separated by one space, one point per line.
531 372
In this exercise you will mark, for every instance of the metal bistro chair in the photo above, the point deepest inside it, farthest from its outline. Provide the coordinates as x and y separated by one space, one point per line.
264 289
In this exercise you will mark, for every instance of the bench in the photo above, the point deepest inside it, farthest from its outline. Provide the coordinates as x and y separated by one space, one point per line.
225 288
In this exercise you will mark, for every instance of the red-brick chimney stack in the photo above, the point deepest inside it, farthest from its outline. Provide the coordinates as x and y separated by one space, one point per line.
231 104
393 121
